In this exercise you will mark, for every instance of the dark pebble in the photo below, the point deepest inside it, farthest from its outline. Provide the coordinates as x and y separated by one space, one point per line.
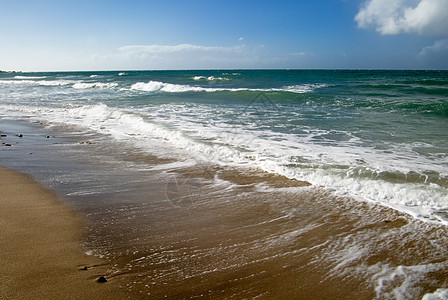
8 145
84 269
3 135
102 279
20 135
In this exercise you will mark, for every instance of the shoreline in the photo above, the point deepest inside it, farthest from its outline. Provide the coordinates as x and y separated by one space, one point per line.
40 247
197 231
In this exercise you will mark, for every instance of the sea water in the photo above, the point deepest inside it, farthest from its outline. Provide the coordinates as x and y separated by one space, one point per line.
380 136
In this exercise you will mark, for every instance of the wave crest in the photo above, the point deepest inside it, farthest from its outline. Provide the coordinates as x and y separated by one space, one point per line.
91 85
157 86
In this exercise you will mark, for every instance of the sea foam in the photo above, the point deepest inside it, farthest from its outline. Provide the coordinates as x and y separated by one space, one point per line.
210 78
90 85
30 77
157 86
439 294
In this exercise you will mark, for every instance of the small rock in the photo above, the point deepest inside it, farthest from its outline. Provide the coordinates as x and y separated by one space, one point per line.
47 136
8 145
3 135
20 135
102 279
84 268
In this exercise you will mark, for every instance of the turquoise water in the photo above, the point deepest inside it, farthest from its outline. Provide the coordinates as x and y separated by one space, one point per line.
379 136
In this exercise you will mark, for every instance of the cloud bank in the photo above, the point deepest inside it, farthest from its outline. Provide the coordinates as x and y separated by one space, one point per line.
391 17
189 56
159 49
182 56
436 55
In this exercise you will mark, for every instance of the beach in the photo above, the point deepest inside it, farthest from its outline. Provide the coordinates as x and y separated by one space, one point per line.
40 247
214 189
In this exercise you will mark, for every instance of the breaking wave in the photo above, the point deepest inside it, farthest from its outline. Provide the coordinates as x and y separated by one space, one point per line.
157 86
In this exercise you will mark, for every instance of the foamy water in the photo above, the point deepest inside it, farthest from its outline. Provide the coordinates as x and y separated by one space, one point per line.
379 137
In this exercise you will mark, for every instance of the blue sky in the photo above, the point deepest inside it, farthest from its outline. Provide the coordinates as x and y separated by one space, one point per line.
199 34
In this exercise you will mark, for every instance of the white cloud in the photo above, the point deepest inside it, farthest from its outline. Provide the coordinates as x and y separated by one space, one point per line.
425 17
440 46
157 49
435 56
302 53
183 56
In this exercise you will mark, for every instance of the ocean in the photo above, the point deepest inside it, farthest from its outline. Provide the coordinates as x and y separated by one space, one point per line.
342 143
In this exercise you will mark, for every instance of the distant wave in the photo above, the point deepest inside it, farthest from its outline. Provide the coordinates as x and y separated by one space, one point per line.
90 85
303 88
209 78
75 84
30 77
157 86
37 82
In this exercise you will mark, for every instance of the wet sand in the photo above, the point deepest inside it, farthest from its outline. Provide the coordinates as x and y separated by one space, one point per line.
40 246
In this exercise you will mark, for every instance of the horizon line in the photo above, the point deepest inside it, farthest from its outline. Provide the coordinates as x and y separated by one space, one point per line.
222 69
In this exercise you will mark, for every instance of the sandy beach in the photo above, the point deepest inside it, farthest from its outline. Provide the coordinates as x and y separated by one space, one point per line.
40 252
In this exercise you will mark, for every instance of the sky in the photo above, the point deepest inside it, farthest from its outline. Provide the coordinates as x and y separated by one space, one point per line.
62 35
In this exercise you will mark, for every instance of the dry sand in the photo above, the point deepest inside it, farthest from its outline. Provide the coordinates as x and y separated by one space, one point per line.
40 247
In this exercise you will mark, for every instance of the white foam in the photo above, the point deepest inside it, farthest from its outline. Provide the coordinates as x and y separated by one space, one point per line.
30 77
37 82
439 294
91 85
54 82
157 86
210 78
402 282
304 88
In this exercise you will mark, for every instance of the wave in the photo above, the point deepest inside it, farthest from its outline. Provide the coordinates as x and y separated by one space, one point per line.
439 108
75 84
430 82
383 89
209 78
30 77
157 86
303 88
91 85
38 82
